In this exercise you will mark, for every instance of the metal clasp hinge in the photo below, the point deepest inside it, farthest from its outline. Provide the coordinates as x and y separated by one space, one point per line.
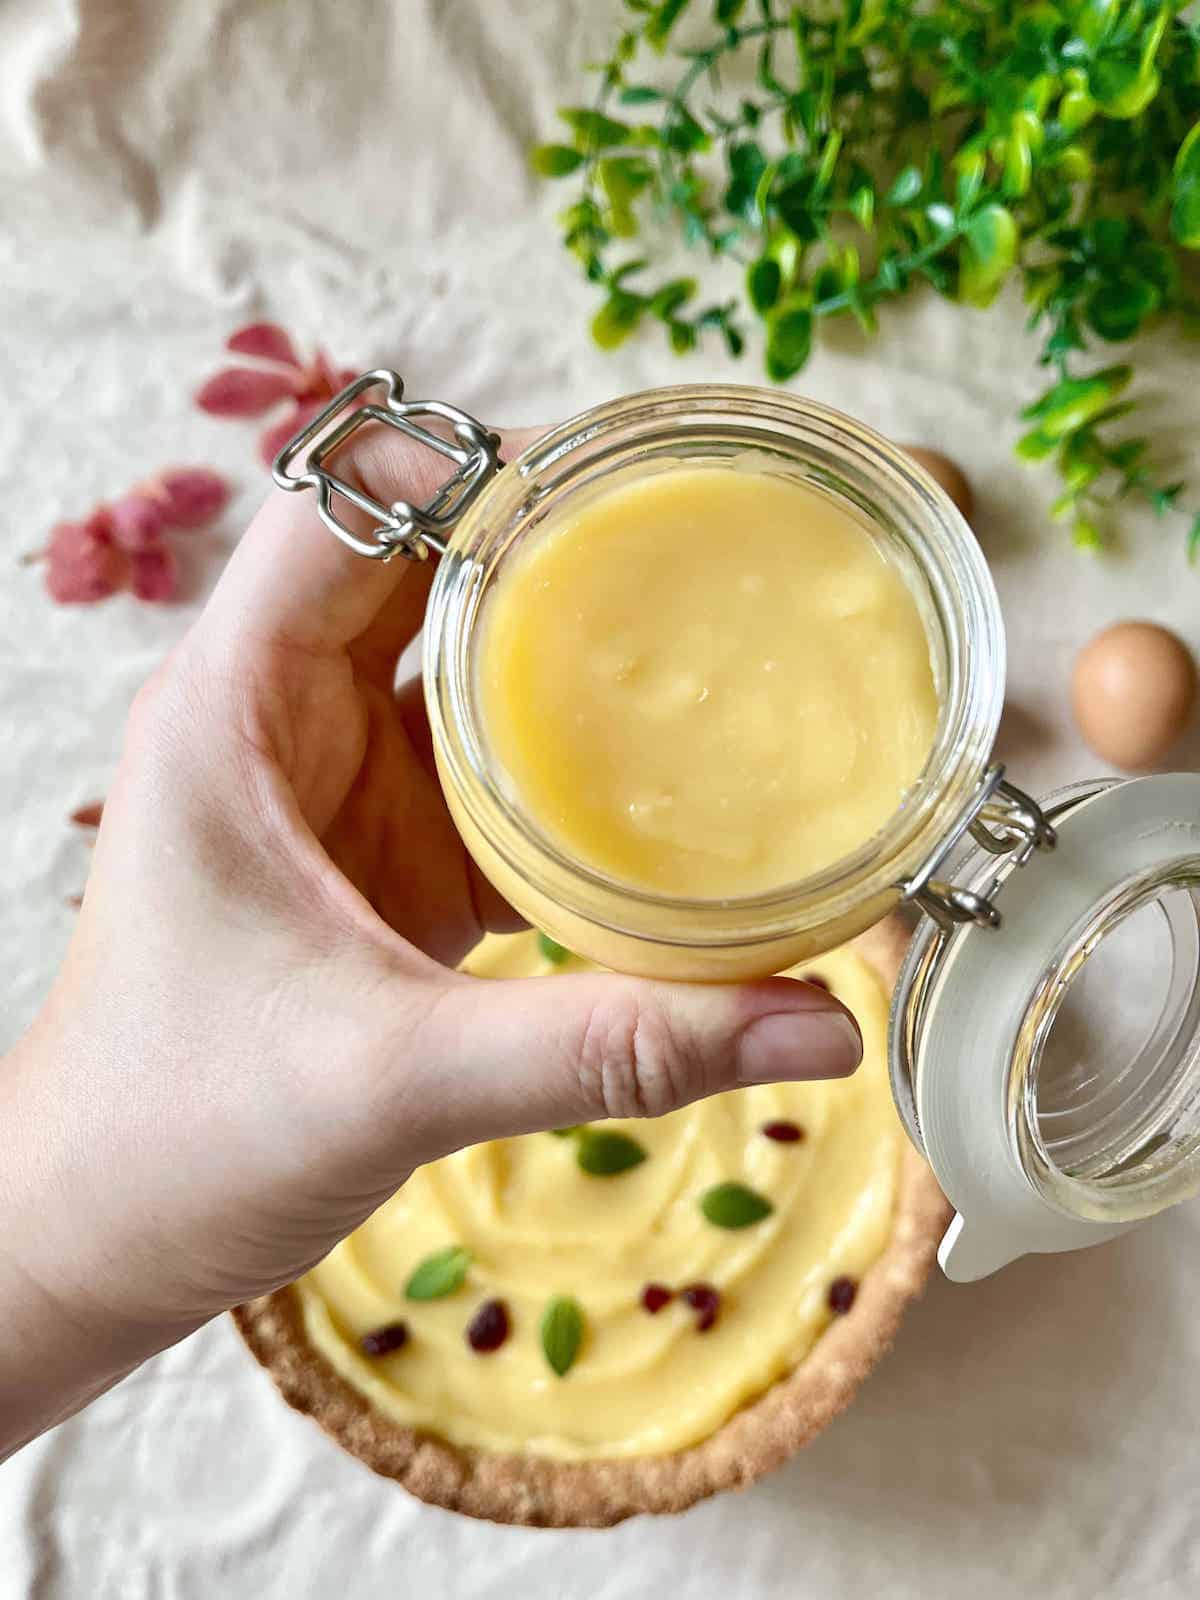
1004 821
412 530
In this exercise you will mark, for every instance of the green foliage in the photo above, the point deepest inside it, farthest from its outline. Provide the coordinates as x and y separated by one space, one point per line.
888 145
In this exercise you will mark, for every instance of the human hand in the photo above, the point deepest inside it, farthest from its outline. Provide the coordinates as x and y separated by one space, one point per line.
256 1036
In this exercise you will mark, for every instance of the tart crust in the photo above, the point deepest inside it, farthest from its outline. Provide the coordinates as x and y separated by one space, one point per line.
538 1492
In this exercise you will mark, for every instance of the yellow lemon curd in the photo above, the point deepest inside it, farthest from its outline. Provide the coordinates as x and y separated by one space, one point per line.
537 1226
708 682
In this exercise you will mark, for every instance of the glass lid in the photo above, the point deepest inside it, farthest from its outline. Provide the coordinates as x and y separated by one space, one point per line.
1048 1064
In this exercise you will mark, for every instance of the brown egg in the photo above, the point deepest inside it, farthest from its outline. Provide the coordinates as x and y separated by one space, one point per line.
947 473
1132 692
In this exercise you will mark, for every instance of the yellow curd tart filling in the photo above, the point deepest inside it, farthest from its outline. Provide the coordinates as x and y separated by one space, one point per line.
619 1290
708 682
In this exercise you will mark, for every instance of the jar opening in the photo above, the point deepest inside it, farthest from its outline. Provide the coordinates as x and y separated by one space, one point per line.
1105 1092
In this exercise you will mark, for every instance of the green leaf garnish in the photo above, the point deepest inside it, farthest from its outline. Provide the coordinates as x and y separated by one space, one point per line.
562 1333
439 1274
841 158
555 160
602 1153
733 1205
551 951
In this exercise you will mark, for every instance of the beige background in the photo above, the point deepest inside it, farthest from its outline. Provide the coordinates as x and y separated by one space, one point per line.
170 167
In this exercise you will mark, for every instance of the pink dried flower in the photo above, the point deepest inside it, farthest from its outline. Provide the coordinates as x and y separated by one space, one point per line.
154 574
244 391
190 496
265 341
123 543
250 391
137 520
82 563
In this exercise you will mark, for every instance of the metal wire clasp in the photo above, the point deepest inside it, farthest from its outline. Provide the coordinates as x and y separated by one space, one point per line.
412 530
1003 820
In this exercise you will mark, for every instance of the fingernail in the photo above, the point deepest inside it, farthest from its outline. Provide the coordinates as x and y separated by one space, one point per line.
799 1044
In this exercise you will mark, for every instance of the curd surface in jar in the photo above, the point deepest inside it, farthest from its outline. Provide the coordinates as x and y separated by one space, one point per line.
708 682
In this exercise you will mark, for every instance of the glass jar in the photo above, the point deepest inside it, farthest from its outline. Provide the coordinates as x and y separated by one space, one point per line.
917 528
1045 1027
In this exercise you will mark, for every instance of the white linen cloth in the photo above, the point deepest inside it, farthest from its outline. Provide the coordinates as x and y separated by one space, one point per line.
358 171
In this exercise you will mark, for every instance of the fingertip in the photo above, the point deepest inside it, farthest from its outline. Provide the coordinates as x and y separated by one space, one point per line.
809 1043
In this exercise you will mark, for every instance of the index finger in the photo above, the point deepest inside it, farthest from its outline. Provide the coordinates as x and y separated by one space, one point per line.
291 582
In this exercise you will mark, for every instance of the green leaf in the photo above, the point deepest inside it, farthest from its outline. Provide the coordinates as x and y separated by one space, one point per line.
733 1205
1117 309
1185 204
439 1274
1121 85
1062 508
562 1333
603 1154
1025 139
789 341
990 241
1085 535
592 129
1163 500
1193 539
726 12
746 166
616 319
662 20
763 283
828 161
684 134
862 206
1074 401
623 177
640 95
667 300
552 952
1075 110
905 187
794 203
555 160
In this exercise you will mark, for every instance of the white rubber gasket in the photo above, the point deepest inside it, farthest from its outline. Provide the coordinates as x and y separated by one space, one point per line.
981 992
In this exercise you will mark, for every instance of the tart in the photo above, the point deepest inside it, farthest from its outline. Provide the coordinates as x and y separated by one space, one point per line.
568 1331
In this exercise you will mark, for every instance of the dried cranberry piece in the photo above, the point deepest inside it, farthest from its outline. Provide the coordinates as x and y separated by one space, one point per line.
783 1132
817 981
704 1301
383 1341
655 1296
489 1327
841 1294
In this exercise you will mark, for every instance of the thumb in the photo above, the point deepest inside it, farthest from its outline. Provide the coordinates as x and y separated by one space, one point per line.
502 1057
